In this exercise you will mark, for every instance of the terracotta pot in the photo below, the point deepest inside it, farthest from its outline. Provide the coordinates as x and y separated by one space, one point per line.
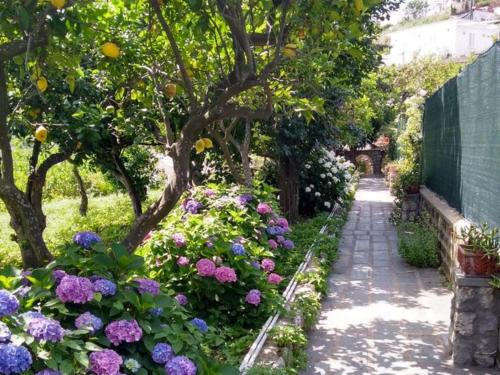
474 263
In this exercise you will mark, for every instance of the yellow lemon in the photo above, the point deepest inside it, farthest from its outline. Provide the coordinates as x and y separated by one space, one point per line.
59 4
291 46
207 142
289 52
170 90
358 5
42 84
199 146
111 50
41 134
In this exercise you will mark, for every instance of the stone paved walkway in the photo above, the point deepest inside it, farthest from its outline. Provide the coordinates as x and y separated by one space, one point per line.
381 316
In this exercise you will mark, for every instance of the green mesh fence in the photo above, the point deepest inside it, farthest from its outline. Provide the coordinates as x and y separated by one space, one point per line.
461 140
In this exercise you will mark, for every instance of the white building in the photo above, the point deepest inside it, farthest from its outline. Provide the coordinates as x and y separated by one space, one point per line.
456 38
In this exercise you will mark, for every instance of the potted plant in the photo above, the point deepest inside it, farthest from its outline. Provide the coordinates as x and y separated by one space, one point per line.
478 255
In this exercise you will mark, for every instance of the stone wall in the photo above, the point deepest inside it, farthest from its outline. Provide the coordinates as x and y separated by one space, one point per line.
475 308
410 207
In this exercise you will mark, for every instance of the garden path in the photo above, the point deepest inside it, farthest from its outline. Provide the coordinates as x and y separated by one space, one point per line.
380 316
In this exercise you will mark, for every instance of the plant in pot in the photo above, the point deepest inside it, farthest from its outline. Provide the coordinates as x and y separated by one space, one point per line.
478 255
409 182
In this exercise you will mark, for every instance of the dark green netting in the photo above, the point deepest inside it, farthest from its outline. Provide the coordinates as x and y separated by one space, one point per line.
461 142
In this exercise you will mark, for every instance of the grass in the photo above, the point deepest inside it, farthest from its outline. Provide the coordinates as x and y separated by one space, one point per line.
407 24
418 245
109 216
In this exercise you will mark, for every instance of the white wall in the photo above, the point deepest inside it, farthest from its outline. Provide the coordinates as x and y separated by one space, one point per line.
451 38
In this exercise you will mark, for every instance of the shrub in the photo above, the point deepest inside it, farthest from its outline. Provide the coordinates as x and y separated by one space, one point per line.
288 336
92 310
220 248
323 179
418 245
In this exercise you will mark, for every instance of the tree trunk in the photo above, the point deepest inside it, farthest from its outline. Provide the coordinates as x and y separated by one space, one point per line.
122 175
289 188
245 155
177 183
28 227
84 200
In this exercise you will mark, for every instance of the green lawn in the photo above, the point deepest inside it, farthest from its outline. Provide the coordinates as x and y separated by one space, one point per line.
109 216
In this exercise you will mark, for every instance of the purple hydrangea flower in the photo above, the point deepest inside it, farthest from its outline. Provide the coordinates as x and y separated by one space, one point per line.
162 353
179 239
280 239
283 223
255 264
245 198
264 209
58 275
24 280
209 193
209 244
238 249
123 331
268 265
105 287
48 371
30 315
182 261
253 297
191 205
205 267
225 275
5 333
156 311
272 244
8 303
75 289
86 239
89 322
288 244
46 329
200 324
275 230
105 362
181 299
148 286
180 365
14 359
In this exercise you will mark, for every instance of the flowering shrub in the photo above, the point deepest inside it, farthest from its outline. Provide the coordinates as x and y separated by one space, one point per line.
324 179
222 267
92 311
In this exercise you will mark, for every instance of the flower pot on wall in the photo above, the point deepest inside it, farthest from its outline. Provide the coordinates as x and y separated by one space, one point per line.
475 263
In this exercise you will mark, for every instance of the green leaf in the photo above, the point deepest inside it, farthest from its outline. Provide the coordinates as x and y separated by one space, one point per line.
82 358
90 346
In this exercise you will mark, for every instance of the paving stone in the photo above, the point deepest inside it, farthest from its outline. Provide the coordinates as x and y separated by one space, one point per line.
376 318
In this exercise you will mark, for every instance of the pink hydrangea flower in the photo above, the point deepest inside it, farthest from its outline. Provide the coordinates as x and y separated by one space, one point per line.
264 209
179 239
268 265
272 244
253 297
225 275
75 289
274 278
105 362
182 261
205 267
283 223
123 331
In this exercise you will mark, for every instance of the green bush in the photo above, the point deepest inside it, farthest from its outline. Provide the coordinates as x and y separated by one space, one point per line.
152 312
418 245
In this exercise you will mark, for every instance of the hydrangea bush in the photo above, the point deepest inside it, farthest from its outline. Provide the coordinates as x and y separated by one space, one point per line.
218 249
93 312
324 179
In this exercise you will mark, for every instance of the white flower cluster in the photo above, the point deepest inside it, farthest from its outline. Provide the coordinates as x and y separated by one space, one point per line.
332 175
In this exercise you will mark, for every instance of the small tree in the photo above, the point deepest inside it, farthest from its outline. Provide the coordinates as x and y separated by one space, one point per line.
416 9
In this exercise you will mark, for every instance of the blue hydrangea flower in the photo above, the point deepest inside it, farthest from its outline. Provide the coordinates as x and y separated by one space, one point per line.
8 303
89 322
30 315
238 249
14 359
156 311
200 324
255 264
48 371
86 239
162 353
4 332
275 230
105 287
132 365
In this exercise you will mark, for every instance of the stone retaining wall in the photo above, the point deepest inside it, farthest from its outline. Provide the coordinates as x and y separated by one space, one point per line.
475 308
